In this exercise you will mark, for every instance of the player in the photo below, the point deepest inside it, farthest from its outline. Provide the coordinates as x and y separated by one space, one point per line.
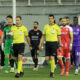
66 40
35 36
8 41
1 51
76 44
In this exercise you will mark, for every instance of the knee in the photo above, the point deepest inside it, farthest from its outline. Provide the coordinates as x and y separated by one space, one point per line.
46 59
20 57
52 58
7 56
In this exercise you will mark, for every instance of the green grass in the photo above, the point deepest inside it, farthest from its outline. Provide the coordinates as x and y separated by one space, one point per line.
42 74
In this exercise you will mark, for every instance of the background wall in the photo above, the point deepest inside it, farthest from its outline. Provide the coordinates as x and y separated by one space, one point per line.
38 10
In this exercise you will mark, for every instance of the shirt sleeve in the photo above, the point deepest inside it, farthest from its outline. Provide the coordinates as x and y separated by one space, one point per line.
29 33
70 30
44 30
4 32
58 31
40 34
25 31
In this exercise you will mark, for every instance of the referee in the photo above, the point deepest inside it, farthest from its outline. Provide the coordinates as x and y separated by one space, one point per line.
35 36
19 31
52 34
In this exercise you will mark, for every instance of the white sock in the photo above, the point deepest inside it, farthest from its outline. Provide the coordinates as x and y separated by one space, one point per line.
12 68
76 70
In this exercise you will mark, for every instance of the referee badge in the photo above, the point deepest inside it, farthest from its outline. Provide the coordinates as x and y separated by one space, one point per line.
20 33
53 31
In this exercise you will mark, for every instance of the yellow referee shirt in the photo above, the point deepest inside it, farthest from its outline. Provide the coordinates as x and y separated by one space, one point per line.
51 32
19 33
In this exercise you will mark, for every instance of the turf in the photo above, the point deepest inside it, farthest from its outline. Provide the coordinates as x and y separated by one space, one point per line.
42 74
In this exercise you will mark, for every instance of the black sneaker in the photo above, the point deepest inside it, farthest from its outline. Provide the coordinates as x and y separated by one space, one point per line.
51 75
17 75
21 74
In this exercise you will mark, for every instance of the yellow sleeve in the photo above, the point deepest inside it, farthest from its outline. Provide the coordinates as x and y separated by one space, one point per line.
71 33
25 31
12 28
44 30
58 30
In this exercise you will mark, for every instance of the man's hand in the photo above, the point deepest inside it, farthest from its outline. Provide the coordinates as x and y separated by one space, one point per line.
40 47
30 47
60 48
0 42
70 48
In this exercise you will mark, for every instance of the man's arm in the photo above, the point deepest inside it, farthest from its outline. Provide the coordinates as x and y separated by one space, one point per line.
71 40
59 40
28 40
42 41
60 44
2 38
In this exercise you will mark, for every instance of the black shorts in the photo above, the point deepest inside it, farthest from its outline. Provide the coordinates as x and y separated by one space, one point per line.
34 52
51 49
18 49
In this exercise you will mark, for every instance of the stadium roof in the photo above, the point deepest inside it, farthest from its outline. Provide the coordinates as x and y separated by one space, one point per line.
41 2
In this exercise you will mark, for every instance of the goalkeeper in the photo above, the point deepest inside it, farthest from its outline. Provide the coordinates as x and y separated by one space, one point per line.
8 42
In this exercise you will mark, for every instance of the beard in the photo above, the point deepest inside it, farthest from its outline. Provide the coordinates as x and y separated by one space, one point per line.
35 27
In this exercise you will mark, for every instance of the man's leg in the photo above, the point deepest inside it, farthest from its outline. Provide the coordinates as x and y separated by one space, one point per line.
77 65
6 63
11 59
33 57
77 54
12 65
56 61
7 53
71 60
36 59
52 59
20 69
2 59
60 60
67 67
62 65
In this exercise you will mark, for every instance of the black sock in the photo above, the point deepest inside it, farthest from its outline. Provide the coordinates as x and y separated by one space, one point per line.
36 62
12 62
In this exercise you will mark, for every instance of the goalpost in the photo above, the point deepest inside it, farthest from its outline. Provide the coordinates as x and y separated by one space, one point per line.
14 10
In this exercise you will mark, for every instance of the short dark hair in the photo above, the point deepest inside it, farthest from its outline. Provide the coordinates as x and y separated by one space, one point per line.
36 22
51 15
64 18
19 17
67 17
9 16
75 17
60 19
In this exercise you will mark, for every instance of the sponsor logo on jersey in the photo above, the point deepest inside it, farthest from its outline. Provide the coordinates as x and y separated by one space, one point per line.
63 32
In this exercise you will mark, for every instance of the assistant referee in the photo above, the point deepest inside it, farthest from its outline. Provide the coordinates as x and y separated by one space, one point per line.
52 34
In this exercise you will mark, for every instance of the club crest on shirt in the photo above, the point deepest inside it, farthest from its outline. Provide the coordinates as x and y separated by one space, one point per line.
77 29
37 33
66 29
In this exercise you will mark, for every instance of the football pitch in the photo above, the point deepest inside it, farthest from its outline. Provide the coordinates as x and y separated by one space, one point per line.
41 74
